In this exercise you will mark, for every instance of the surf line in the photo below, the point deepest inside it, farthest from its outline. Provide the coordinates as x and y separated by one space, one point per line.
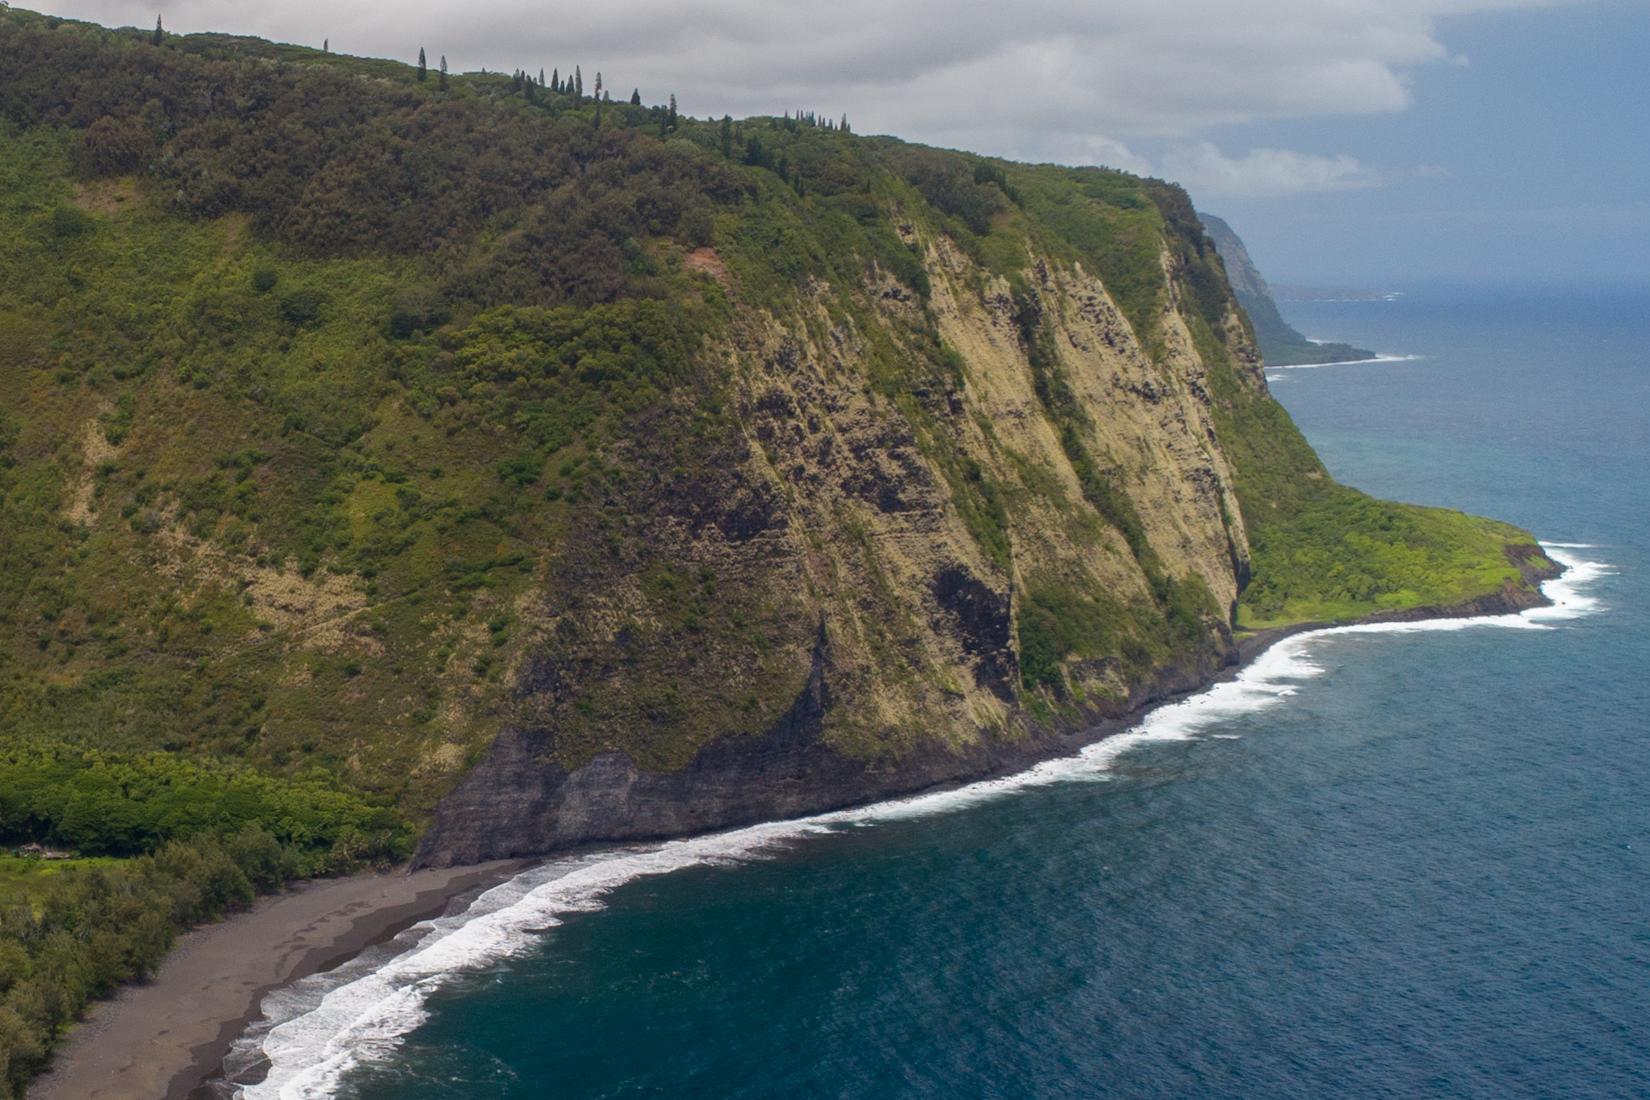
1346 362
321 1028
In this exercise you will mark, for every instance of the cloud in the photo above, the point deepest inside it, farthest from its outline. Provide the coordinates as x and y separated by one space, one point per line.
1261 173
1079 81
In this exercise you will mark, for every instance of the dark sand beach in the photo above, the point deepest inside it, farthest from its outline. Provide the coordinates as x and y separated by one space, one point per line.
165 1037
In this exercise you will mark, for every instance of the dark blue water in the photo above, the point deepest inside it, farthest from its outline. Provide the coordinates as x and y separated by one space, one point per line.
1424 874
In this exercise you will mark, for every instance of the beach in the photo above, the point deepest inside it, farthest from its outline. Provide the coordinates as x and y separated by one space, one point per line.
166 1036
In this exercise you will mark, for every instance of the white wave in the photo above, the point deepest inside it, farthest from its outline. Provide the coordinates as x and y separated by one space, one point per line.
320 1029
1569 601
1346 362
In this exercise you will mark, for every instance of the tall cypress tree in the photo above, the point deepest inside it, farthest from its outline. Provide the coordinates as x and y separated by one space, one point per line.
635 97
441 80
423 70
578 83
159 36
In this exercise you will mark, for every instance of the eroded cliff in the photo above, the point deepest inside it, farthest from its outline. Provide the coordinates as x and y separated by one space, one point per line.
552 472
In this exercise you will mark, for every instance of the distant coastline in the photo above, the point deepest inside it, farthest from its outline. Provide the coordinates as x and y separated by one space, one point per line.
1346 362
1282 292
1280 343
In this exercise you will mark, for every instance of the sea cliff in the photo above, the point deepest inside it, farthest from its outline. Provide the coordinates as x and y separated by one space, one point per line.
480 467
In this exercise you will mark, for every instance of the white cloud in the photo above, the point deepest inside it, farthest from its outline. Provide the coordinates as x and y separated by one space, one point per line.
1068 80
1261 173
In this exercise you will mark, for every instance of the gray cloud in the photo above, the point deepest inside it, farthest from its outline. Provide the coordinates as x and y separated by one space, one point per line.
1079 82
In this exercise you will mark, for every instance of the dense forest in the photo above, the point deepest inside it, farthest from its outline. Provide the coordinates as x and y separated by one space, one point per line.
351 410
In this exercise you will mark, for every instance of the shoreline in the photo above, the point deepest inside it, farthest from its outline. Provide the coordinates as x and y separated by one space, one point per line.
169 1036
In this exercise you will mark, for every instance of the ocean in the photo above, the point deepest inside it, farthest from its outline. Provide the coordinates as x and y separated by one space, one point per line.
1410 861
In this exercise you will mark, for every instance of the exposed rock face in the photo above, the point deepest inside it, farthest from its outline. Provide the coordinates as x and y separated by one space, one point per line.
607 486
516 803
876 586
883 547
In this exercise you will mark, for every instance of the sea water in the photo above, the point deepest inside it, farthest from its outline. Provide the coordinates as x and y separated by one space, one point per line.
1398 861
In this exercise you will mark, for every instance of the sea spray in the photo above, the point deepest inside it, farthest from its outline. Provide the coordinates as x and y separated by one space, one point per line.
318 1030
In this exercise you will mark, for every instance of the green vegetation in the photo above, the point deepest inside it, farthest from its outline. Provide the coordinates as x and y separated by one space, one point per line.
349 413
111 805
1058 623
1280 351
72 931
1323 552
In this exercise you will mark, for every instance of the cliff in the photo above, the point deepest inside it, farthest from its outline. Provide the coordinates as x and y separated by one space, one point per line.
1279 342
557 472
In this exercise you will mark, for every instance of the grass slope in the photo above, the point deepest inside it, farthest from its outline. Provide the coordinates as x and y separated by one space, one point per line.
317 382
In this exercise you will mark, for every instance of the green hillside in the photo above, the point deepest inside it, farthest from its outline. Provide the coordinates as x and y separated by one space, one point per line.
349 417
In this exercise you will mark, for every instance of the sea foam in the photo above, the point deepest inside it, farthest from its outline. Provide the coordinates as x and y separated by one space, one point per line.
319 1029
1383 358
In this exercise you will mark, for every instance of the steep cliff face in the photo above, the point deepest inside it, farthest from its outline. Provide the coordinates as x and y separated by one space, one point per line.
554 472
896 630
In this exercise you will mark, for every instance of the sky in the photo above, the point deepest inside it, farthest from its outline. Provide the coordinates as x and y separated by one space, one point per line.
1353 143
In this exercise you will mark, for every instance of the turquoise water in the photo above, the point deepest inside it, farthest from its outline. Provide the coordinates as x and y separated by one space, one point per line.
1404 863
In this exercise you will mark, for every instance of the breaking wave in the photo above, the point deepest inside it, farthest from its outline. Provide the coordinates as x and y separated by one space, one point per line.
319 1029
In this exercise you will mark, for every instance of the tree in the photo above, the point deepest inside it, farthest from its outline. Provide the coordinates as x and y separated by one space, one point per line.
724 137
555 81
326 45
845 125
598 86
578 83
541 76
672 115
441 81
159 36
423 71
635 97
